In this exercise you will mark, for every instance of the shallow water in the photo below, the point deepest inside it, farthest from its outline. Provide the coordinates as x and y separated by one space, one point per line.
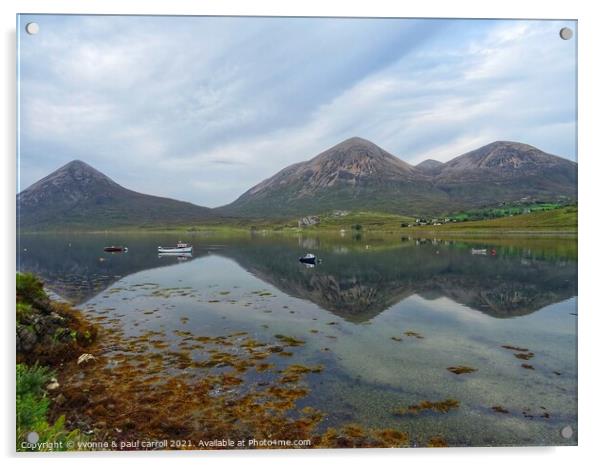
353 310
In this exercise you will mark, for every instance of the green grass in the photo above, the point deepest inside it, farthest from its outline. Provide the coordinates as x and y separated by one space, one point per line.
363 221
557 220
29 288
543 217
497 212
32 413
32 402
23 311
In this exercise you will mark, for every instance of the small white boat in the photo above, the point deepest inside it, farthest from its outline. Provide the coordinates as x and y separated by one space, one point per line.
480 252
178 249
308 258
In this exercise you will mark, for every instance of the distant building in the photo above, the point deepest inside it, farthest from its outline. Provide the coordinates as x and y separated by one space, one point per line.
308 221
340 213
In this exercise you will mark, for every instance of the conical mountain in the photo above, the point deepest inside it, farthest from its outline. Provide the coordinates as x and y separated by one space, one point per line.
79 196
355 174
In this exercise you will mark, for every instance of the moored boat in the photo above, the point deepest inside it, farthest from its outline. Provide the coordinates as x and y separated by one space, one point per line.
308 258
178 248
116 249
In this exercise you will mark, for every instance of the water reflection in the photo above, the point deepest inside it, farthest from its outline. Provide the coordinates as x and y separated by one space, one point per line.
358 285
355 280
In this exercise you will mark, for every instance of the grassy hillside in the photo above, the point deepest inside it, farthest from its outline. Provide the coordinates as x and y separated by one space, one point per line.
364 221
557 220
561 220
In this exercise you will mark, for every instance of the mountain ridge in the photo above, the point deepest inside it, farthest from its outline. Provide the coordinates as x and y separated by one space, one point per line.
497 172
355 174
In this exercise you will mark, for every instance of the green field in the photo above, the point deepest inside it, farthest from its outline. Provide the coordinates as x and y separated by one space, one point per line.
548 220
503 211
561 220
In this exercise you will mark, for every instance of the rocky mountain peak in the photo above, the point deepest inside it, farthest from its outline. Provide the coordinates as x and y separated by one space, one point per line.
74 181
504 155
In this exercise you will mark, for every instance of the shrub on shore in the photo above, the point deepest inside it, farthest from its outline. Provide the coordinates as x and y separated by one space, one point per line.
32 405
48 334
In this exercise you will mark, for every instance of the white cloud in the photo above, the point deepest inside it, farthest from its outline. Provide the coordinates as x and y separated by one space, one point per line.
201 109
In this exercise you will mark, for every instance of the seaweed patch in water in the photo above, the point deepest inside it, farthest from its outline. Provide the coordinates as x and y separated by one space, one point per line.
289 341
529 414
294 372
461 369
437 442
443 406
500 409
515 348
355 436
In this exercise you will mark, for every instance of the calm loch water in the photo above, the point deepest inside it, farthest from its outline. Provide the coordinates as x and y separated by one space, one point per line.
386 317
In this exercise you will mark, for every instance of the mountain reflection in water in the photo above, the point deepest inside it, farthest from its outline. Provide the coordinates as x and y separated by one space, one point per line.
356 280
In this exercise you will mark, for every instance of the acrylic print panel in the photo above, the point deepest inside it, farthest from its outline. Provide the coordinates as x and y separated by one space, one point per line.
240 232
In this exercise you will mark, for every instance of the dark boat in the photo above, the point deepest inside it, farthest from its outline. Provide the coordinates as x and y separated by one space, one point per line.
115 249
308 259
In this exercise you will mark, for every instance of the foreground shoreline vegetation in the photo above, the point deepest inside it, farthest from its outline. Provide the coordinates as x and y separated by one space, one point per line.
49 335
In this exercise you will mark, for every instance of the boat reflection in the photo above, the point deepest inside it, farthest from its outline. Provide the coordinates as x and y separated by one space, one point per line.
180 256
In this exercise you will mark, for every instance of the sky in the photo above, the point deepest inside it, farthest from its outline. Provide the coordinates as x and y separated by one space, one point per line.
203 108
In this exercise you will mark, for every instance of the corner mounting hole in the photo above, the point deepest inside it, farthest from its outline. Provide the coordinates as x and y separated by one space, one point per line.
566 33
32 28
566 432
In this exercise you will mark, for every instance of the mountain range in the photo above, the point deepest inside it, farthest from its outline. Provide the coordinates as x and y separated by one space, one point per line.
356 174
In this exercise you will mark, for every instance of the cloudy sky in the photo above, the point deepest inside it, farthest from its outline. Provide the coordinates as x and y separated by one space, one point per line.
201 109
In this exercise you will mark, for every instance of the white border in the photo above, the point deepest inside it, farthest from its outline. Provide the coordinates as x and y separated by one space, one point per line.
590 170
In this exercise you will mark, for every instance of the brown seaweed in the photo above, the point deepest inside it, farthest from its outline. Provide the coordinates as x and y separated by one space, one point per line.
443 406
515 348
461 369
500 409
437 442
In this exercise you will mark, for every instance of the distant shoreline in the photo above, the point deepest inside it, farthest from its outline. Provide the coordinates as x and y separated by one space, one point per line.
555 223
